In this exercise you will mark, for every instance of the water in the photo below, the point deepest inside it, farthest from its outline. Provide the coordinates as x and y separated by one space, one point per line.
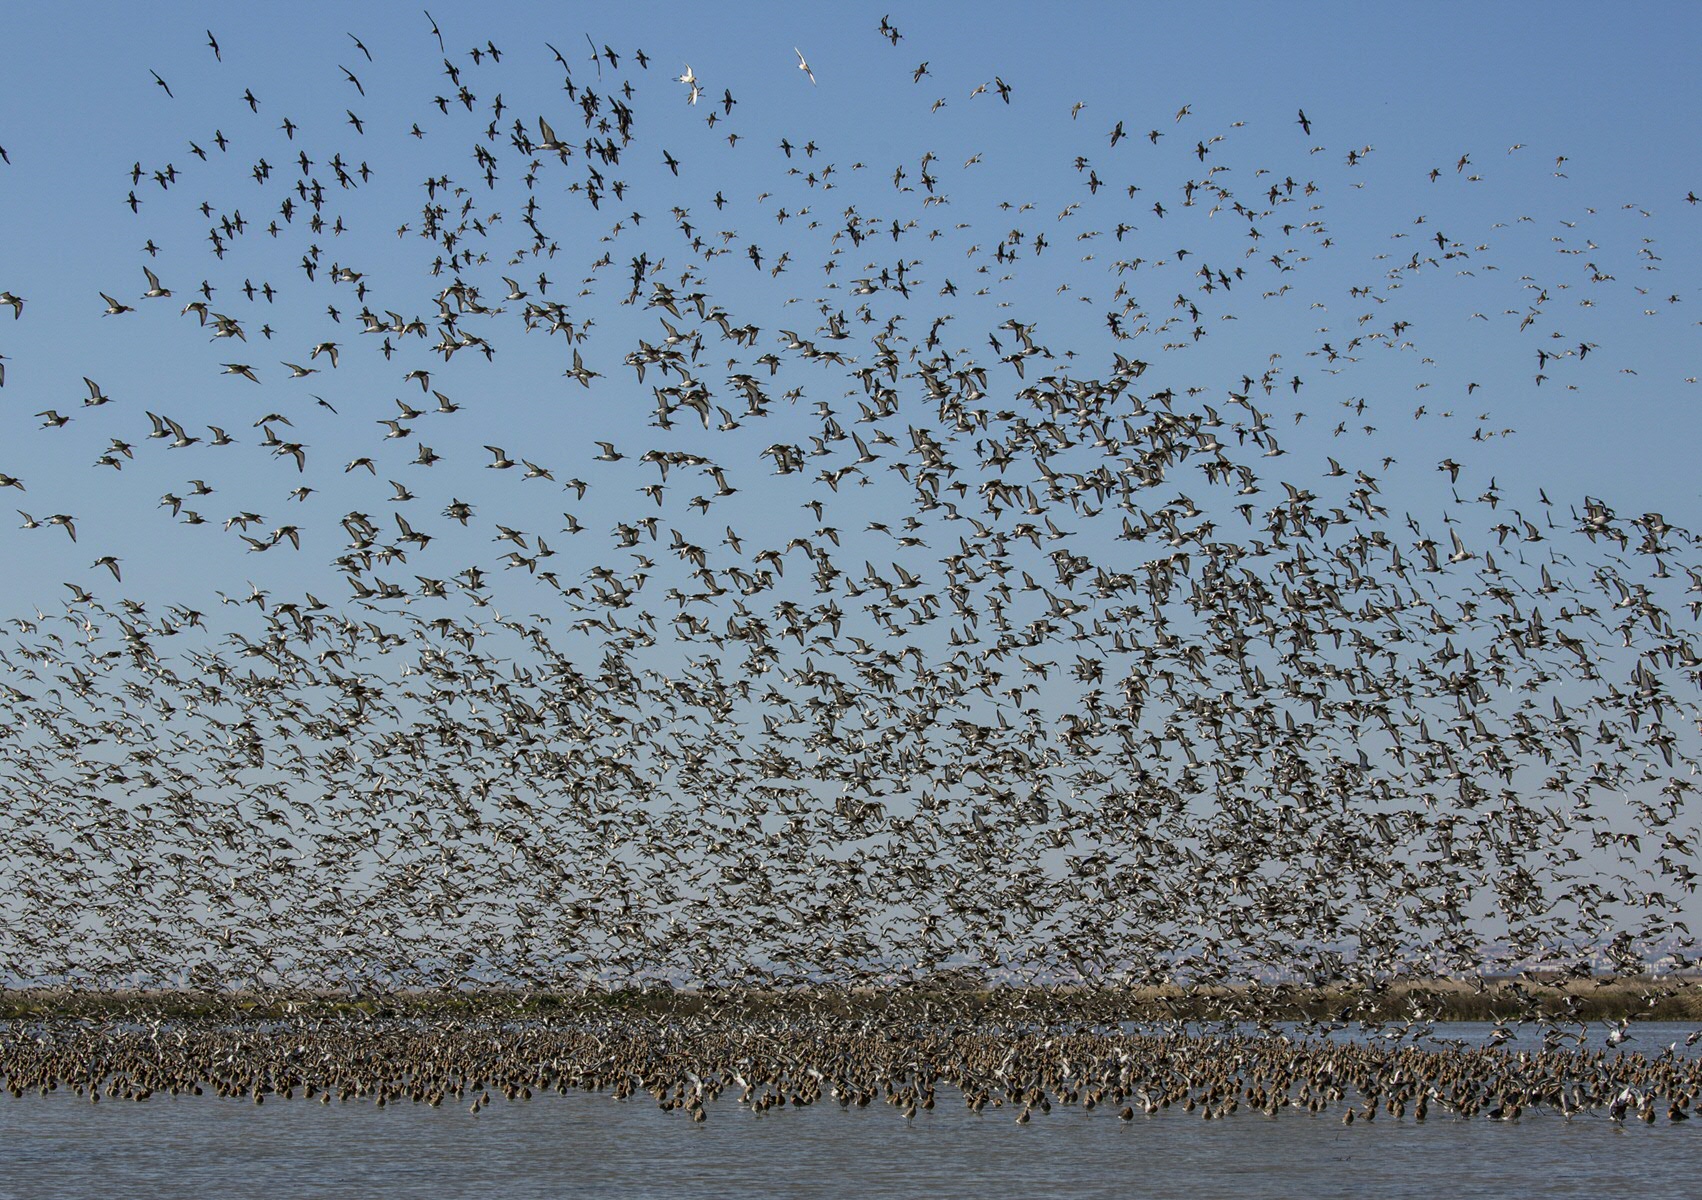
588 1144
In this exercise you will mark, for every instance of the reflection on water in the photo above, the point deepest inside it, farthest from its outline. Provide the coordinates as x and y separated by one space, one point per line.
1648 1038
585 1144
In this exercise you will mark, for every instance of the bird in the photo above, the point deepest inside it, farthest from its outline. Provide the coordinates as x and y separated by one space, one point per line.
1130 708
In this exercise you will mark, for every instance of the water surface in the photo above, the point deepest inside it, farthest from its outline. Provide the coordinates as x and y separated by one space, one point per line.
589 1144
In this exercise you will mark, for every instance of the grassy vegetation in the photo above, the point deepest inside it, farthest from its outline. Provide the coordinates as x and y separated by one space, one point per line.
1666 998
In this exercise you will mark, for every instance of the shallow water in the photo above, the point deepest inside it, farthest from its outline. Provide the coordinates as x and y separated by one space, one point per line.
589 1144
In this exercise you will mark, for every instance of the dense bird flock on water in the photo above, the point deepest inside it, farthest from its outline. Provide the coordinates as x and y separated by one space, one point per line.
1016 1072
563 536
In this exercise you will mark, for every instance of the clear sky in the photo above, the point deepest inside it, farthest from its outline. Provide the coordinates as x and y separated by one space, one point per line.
1450 249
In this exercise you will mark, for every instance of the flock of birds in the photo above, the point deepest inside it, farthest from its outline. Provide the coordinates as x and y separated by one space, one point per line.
1021 1071
885 639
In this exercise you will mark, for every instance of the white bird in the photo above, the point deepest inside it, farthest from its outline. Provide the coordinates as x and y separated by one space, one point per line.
690 80
802 65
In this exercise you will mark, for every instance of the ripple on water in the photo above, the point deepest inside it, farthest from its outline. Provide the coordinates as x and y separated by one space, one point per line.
588 1144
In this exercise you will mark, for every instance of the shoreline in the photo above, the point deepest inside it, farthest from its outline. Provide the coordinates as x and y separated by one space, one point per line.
1526 997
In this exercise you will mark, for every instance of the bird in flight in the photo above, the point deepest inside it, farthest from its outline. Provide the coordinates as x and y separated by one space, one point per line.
1238 649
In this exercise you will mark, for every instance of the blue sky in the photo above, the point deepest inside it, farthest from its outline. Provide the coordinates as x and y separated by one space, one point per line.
1422 89
1532 163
